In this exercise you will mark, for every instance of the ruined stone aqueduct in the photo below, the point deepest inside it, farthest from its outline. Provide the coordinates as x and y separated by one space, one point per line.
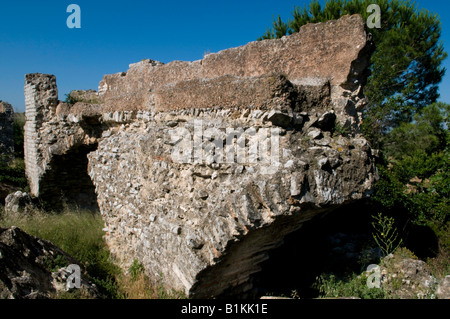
205 226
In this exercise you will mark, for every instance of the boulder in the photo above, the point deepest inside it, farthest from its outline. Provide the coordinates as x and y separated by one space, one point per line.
19 202
33 268
443 288
407 278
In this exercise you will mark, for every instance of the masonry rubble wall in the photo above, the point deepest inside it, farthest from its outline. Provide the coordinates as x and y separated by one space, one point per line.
201 168
56 148
6 131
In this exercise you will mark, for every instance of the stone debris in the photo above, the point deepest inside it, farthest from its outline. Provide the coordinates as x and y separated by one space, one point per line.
408 278
19 202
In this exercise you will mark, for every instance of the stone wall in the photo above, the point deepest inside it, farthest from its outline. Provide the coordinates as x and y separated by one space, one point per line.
6 131
331 52
56 147
205 227
201 168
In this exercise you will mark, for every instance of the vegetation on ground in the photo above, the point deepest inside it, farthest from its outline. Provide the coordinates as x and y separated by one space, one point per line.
80 234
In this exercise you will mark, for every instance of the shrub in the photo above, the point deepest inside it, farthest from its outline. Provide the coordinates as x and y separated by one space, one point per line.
71 100
19 123
79 233
352 285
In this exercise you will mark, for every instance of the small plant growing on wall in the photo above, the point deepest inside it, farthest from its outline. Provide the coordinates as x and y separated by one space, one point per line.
340 129
70 99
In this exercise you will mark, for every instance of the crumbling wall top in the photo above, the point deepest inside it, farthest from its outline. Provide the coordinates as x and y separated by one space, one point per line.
319 52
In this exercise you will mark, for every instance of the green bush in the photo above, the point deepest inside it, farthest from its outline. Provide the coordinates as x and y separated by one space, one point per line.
136 268
414 176
71 100
340 129
12 172
352 285
19 124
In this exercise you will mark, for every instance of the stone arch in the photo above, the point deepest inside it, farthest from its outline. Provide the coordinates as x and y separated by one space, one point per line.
67 183
205 228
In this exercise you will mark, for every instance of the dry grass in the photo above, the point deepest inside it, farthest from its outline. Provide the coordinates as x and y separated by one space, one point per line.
136 288
440 265
136 285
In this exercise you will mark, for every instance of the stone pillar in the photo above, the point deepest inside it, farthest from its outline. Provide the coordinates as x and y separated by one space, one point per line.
6 131
41 99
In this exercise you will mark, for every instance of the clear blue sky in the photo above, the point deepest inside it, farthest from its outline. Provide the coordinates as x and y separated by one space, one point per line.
34 36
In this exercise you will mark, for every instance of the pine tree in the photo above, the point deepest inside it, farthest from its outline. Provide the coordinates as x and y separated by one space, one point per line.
406 67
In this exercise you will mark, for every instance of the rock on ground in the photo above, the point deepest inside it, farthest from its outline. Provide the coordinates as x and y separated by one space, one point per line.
443 289
407 278
19 202
33 268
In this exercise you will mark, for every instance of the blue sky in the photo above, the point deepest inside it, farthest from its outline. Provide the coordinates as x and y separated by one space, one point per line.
34 36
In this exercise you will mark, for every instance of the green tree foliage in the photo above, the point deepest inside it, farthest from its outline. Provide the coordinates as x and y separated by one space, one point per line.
417 175
70 99
19 123
13 174
405 67
279 29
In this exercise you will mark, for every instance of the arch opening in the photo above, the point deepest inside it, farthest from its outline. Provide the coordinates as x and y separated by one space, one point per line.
337 243
67 184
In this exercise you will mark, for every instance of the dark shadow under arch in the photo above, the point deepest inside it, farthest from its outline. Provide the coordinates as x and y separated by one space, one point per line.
67 184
